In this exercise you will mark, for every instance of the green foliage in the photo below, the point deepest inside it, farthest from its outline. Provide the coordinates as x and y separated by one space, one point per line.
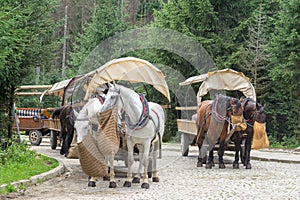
285 142
106 22
284 48
26 30
23 162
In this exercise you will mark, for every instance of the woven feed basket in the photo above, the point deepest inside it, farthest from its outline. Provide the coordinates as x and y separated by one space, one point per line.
91 159
260 137
238 120
108 139
73 151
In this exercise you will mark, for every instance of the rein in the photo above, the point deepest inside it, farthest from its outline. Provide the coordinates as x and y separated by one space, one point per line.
250 121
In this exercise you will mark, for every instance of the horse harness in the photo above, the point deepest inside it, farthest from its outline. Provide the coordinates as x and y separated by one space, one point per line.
145 116
250 121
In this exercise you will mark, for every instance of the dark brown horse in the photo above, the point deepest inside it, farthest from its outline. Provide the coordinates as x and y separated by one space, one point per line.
66 116
253 112
213 118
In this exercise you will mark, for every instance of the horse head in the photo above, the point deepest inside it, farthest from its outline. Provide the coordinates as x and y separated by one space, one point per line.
253 111
112 97
235 107
260 115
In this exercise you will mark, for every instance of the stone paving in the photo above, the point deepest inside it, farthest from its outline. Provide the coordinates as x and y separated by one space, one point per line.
278 178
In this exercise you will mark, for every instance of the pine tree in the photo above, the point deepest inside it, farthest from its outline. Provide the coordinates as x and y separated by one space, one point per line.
285 59
107 21
254 56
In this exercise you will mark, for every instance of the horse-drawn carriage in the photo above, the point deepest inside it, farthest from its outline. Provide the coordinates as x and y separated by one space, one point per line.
212 83
35 121
145 119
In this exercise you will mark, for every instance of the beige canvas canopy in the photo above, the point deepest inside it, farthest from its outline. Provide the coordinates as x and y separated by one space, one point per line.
58 89
128 69
226 79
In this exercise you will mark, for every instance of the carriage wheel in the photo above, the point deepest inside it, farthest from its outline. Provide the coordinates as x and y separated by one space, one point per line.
53 139
35 137
185 142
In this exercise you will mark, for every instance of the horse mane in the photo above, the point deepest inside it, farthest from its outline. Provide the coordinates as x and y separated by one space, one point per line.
219 107
56 112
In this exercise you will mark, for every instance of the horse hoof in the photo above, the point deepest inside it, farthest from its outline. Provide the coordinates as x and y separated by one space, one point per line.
106 178
112 185
222 166
235 165
92 184
199 164
248 166
127 184
136 180
208 166
145 185
155 179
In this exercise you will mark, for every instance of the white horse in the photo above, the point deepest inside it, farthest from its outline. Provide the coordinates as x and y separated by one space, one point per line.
144 126
86 119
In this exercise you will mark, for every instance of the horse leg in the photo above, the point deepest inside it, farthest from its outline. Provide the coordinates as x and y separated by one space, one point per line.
63 146
210 161
145 161
237 142
200 146
68 139
221 154
130 146
112 181
154 162
137 177
247 152
92 182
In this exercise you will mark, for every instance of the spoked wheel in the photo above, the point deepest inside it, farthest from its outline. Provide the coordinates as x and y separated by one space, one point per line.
53 139
35 137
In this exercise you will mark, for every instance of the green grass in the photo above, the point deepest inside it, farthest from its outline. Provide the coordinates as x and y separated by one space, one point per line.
18 163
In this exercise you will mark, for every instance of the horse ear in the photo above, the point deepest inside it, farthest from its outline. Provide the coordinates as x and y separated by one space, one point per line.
265 105
75 113
242 99
258 106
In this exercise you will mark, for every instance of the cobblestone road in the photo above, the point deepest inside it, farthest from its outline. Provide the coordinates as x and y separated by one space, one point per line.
179 179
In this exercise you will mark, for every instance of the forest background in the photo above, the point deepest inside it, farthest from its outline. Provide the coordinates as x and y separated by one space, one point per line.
46 41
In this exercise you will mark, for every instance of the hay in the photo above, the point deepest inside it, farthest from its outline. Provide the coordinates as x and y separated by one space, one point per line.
107 136
91 159
260 138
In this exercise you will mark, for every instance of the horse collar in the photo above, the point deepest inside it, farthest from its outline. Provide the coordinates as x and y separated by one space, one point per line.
101 99
144 116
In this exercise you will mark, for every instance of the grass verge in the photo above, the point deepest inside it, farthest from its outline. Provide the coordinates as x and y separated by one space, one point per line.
19 163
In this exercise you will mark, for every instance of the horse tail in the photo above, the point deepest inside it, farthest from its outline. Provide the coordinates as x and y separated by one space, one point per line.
206 113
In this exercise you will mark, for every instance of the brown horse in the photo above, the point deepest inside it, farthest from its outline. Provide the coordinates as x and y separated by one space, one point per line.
67 118
213 118
253 112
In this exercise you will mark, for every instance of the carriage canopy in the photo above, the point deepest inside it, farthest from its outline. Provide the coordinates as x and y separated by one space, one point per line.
58 89
127 69
131 69
225 79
